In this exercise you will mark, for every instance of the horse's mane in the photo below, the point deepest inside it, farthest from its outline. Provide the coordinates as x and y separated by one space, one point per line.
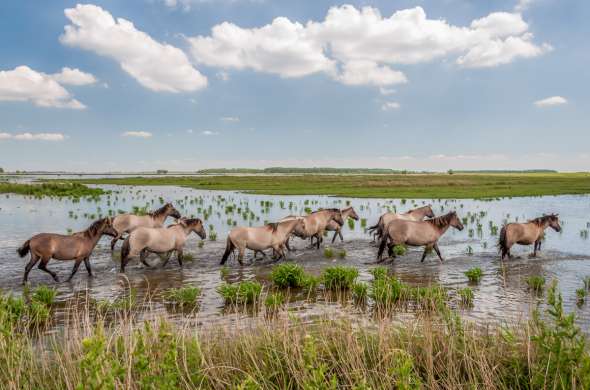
442 221
541 220
272 226
159 211
332 210
93 229
189 221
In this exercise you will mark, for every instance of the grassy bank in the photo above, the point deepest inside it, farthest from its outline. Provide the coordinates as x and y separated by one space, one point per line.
430 186
73 190
435 350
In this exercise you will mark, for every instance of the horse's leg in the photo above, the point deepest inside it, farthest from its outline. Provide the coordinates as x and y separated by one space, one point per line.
287 245
426 250
43 266
335 235
30 265
179 255
242 251
75 269
435 246
87 265
114 241
340 234
143 256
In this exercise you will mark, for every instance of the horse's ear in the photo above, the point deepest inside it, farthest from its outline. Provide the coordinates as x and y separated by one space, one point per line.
182 221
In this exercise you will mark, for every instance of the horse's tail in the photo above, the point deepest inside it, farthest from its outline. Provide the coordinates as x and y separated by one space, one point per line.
502 245
375 226
24 249
125 249
382 245
229 248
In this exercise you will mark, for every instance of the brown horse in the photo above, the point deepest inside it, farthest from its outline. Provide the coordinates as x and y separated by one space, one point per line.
417 214
272 235
78 246
531 232
126 223
144 240
417 233
335 227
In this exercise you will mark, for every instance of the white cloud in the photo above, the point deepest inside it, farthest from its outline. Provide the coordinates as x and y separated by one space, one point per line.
222 75
33 136
137 134
358 46
25 84
73 77
209 132
386 91
551 101
361 72
230 119
388 106
156 66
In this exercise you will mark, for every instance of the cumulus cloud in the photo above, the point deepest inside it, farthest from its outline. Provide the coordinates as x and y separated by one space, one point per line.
137 134
33 136
388 106
359 46
230 119
523 5
71 76
156 66
209 132
551 101
25 84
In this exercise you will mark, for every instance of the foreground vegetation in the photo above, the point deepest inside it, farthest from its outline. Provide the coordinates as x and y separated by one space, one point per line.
39 190
434 350
430 186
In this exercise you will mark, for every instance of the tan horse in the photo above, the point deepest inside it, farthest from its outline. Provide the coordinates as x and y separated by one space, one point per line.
77 246
531 232
317 222
417 214
417 233
335 227
272 235
145 240
126 223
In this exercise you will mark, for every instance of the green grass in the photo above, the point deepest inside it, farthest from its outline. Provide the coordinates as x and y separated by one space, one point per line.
360 292
246 292
288 275
183 296
44 294
474 274
339 277
535 283
466 295
432 185
73 190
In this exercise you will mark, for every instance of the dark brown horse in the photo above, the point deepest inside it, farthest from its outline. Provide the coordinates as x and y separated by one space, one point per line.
78 247
417 233
527 233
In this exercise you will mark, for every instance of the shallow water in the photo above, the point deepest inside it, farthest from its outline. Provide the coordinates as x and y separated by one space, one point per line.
501 295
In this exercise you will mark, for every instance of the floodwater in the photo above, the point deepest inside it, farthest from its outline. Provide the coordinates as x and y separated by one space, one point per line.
501 295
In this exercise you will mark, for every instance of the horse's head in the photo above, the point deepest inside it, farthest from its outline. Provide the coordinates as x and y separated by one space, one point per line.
352 214
171 210
300 229
337 216
106 227
455 221
429 212
554 222
194 225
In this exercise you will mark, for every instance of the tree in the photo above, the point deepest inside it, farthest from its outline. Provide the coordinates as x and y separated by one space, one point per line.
1 170
450 172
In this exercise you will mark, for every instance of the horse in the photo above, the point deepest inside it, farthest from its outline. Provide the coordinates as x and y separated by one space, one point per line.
272 235
417 214
417 233
316 223
126 223
527 233
335 227
145 240
77 246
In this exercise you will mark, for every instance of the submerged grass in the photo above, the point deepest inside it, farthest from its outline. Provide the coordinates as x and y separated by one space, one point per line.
428 351
431 185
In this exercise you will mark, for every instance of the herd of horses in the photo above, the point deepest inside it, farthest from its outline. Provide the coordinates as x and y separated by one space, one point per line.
147 234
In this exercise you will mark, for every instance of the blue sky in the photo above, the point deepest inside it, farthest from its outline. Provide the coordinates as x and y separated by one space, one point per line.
139 85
